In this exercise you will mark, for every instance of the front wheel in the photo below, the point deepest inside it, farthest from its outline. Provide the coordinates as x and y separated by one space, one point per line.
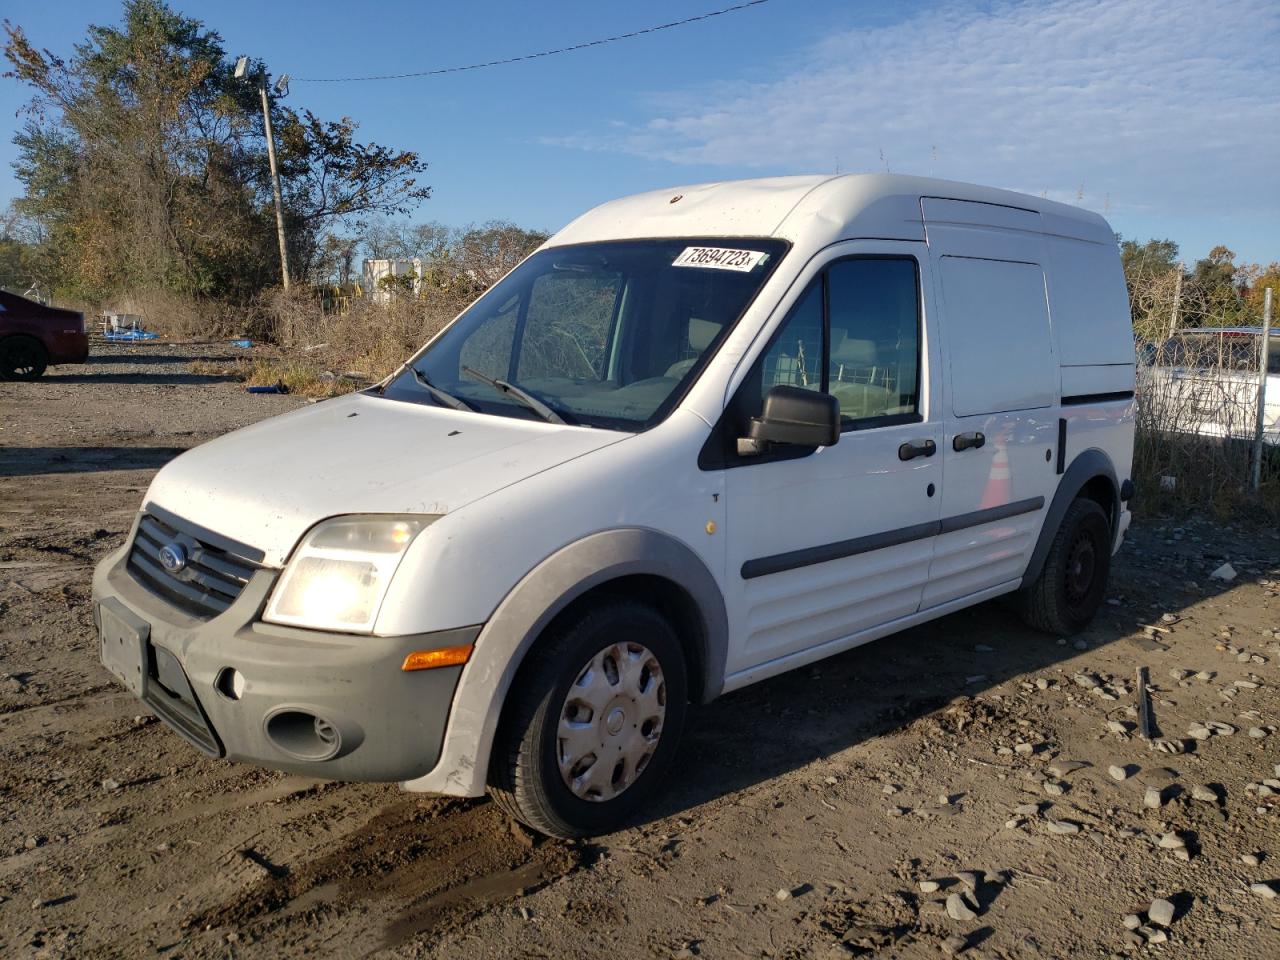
593 721
1066 596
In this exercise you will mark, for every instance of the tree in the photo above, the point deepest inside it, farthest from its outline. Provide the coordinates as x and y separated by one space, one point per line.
1218 284
1153 276
1259 280
461 261
145 164
21 264
327 176
486 253
1152 257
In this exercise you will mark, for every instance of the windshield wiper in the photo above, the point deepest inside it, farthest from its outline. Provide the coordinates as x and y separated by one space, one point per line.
448 399
524 396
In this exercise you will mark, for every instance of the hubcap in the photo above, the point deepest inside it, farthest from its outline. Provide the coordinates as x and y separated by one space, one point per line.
611 721
1081 562
21 361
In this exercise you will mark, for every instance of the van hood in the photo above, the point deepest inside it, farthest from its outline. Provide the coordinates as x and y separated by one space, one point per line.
267 484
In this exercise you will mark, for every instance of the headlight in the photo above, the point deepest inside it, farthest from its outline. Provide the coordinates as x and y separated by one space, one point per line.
340 572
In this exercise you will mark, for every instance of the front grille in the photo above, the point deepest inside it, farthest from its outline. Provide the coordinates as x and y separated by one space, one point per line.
209 583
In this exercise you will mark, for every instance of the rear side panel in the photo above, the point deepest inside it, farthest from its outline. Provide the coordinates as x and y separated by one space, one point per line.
1090 307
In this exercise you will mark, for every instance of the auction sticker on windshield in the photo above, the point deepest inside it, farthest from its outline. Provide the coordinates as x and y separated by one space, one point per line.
720 258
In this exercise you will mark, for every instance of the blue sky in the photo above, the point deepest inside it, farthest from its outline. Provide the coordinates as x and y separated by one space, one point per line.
1165 117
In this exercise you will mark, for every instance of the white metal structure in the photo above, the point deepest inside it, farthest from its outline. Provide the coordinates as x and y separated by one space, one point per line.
703 436
374 272
1204 380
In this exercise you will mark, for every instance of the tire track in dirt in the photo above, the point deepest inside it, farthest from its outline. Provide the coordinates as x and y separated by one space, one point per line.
429 866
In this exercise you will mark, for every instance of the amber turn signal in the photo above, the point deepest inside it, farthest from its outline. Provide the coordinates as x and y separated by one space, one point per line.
430 659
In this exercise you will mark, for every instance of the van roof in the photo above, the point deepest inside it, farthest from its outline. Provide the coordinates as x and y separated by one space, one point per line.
810 210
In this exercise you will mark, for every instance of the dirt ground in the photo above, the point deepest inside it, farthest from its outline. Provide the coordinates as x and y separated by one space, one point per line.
807 815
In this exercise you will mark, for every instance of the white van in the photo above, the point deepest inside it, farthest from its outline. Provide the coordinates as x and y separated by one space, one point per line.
702 436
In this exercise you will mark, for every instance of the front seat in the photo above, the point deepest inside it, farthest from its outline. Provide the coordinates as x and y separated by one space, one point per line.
701 334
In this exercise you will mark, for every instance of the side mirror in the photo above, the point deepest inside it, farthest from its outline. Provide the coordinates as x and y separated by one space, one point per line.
793 416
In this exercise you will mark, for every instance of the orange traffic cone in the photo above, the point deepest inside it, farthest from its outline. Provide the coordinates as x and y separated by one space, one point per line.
997 491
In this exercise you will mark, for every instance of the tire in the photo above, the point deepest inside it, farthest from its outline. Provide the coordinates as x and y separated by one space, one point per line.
1066 596
22 358
569 667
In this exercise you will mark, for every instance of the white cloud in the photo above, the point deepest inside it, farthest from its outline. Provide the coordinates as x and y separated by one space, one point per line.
1142 103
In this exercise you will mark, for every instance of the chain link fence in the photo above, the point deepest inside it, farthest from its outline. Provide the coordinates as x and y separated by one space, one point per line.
1200 442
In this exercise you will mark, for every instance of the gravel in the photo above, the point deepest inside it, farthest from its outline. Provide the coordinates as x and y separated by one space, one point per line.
79 449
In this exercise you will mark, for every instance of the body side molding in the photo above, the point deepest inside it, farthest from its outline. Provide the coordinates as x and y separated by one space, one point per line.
825 552
991 514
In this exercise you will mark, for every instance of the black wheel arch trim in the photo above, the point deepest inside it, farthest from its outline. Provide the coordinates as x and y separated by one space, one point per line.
580 567
1087 466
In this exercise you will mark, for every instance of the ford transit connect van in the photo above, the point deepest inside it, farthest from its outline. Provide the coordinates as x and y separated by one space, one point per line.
701 437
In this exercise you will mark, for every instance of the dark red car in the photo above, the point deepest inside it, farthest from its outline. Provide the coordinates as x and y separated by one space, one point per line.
32 336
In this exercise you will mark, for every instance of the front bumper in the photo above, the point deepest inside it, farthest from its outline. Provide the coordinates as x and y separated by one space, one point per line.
378 722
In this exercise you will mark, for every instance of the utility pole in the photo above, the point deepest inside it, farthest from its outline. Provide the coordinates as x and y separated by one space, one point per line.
242 66
1261 425
275 184
1177 301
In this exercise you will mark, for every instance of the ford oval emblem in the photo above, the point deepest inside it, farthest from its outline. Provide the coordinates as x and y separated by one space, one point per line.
173 557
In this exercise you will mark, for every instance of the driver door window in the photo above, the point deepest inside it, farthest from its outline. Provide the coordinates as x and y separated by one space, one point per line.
855 334
794 358
874 323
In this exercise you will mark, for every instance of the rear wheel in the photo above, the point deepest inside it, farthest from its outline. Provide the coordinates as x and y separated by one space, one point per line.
22 358
593 721
1066 596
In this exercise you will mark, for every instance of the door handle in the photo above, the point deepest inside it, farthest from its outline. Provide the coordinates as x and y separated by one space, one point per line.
917 448
963 441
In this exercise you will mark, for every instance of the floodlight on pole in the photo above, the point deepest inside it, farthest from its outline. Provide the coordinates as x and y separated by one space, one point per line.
282 87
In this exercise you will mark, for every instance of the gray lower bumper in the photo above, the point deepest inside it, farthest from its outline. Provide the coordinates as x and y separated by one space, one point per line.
379 722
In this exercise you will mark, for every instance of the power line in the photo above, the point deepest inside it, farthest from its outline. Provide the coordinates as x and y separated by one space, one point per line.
536 56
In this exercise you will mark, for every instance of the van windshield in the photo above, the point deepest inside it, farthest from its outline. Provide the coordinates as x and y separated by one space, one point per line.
603 334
